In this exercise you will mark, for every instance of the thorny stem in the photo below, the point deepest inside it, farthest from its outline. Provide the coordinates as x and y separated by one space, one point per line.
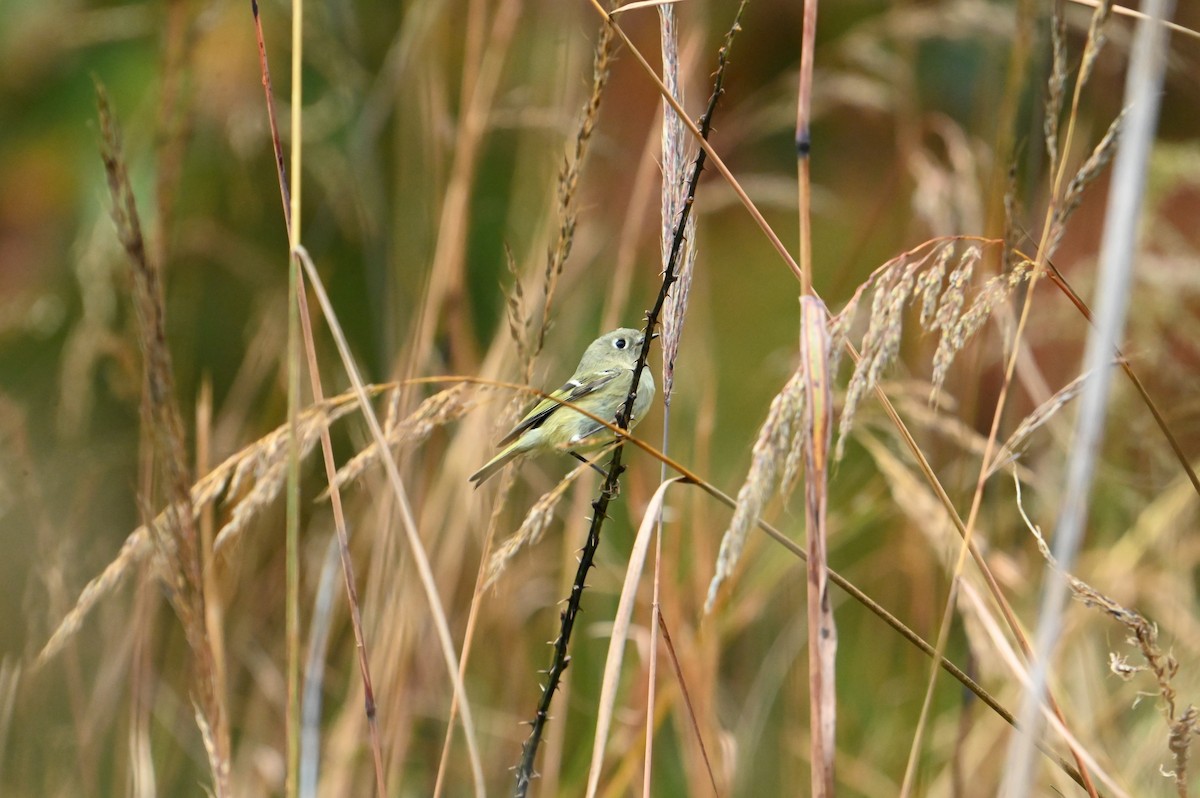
611 485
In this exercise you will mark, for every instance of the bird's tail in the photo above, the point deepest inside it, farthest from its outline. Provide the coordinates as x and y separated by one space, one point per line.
495 464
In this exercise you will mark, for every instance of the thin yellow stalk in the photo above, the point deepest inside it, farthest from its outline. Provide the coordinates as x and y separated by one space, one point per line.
420 558
294 365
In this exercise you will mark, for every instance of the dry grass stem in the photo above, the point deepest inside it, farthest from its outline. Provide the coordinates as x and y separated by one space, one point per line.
822 630
420 559
1183 725
1018 669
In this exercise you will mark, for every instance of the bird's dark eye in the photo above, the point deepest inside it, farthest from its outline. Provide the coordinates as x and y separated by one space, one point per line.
619 343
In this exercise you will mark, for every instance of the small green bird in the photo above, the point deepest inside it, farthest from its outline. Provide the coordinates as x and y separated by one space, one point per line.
599 385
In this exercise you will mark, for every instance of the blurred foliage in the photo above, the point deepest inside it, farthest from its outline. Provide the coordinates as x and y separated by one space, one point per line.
911 107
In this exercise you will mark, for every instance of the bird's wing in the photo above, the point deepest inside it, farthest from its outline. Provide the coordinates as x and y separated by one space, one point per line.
571 391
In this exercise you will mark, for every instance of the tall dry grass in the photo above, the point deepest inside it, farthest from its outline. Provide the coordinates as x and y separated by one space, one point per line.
476 179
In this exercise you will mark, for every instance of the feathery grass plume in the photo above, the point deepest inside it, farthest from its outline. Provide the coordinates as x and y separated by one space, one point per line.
887 340
950 318
995 291
929 285
1055 93
893 287
1183 725
795 454
266 463
1092 167
1096 38
1034 421
919 276
532 528
771 449
266 457
858 385
179 541
515 311
568 181
436 411
839 332
674 194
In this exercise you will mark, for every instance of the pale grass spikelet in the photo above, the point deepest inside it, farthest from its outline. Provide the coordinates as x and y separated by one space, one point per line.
919 277
795 455
839 332
950 313
894 287
267 464
436 411
1182 725
770 450
235 470
929 285
532 528
1089 171
674 194
1035 420
887 345
568 183
995 291
1096 39
136 548
218 764
858 386
951 303
1056 85
515 311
